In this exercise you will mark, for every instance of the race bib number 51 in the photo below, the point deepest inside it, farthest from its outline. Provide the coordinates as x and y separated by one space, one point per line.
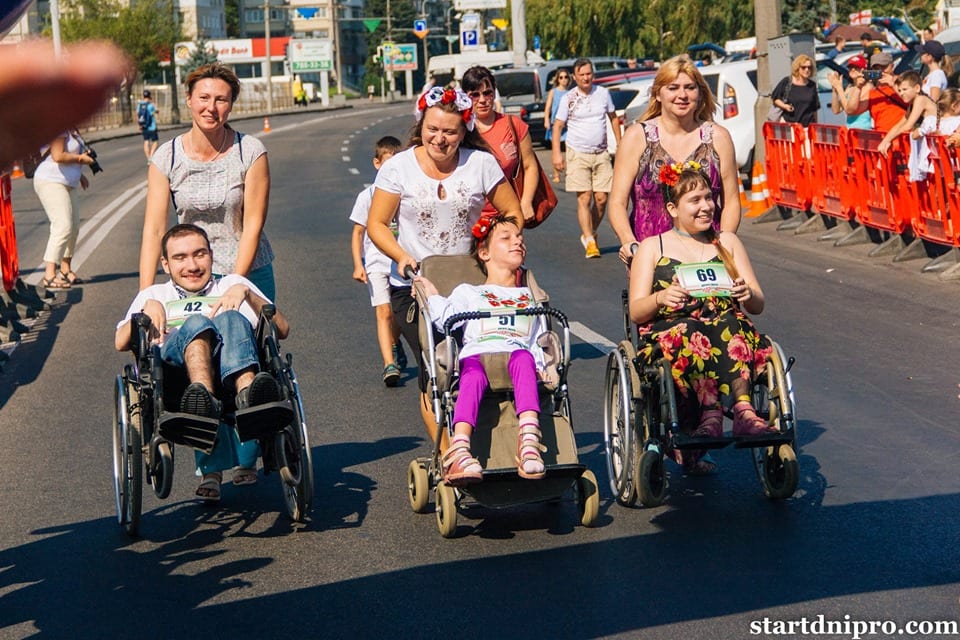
178 310
703 279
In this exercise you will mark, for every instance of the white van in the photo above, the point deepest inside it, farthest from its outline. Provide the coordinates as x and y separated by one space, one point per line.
447 68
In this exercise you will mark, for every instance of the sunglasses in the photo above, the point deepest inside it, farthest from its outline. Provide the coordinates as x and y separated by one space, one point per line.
806 66
563 77
489 93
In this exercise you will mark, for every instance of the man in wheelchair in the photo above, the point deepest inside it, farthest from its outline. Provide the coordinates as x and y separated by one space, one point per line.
205 327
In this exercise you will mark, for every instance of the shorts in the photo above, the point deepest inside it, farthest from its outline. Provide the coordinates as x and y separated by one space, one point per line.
378 284
150 136
588 172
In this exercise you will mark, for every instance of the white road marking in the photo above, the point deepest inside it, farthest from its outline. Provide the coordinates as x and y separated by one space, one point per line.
345 158
353 171
592 338
344 149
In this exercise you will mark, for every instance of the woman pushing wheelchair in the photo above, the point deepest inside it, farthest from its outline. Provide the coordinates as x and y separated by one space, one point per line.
690 291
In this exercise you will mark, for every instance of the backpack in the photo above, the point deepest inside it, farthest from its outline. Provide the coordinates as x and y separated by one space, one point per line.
143 115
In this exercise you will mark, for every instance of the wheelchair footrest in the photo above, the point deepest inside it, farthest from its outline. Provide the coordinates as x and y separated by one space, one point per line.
764 440
263 420
683 441
189 429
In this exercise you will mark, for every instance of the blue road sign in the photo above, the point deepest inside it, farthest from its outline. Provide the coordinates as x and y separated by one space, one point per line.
469 38
419 26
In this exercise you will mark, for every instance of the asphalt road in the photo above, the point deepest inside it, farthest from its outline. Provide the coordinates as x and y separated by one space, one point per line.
870 536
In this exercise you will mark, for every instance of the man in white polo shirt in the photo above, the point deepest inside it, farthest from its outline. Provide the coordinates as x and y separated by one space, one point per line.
584 111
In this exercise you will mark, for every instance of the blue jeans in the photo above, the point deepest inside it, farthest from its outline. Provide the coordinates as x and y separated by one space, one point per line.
234 350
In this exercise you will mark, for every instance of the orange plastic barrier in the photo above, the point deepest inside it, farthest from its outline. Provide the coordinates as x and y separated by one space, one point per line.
787 164
881 200
941 224
9 260
833 191
846 177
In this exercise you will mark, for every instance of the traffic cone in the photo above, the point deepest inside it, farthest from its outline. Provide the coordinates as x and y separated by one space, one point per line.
16 171
266 125
744 200
760 201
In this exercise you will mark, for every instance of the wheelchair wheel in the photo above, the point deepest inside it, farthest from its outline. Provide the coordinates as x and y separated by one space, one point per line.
161 475
294 457
418 486
621 382
588 498
782 402
650 478
778 470
127 455
446 510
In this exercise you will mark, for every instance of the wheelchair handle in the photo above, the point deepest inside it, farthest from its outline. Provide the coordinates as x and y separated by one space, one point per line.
457 318
140 341
268 311
409 272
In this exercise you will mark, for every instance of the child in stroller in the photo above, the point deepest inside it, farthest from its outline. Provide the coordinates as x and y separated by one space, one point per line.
499 249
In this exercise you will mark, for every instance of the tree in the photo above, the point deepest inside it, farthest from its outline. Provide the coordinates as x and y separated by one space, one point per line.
145 29
202 54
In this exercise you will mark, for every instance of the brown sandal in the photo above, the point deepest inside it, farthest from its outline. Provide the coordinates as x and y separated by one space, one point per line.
55 283
459 465
528 451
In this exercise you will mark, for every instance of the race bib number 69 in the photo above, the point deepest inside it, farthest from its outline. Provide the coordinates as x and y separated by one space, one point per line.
703 279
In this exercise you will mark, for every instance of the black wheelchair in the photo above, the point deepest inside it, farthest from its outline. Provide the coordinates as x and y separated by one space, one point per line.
145 431
641 426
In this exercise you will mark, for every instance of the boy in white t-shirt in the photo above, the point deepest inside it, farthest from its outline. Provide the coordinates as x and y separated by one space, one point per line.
373 268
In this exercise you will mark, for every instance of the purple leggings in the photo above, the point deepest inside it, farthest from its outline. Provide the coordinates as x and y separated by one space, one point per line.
473 384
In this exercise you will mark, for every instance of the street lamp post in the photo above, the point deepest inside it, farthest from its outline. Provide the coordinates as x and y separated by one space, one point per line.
450 10
335 8
266 36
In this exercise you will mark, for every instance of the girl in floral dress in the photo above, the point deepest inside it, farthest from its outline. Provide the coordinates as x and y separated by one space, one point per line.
714 349
498 248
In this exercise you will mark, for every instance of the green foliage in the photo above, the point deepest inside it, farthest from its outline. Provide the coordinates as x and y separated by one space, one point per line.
203 54
640 28
662 28
402 15
145 29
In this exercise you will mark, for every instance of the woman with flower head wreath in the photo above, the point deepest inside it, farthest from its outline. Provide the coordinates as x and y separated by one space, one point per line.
677 126
713 348
499 250
436 190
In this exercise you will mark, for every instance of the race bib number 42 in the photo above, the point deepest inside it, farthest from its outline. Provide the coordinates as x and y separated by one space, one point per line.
703 279
178 310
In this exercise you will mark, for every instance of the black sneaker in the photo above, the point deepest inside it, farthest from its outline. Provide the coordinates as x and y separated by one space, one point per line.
262 390
391 375
399 355
198 401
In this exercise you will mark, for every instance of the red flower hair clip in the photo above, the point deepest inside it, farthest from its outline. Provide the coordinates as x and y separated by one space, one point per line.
482 229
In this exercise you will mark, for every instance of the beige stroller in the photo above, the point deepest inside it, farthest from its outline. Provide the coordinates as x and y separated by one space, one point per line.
494 440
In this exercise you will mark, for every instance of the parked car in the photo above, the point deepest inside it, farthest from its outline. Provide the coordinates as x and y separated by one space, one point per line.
524 89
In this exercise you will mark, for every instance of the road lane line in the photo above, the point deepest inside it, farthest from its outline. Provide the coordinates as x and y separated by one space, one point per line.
94 231
592 338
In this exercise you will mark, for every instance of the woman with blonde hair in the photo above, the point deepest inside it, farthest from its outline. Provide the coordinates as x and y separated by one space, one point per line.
798 95
677 126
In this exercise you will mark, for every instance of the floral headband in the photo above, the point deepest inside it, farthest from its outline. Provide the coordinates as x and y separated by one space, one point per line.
437 96
486 224
670 174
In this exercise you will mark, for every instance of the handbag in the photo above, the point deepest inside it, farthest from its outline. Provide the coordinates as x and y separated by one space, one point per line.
775 114
544 198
